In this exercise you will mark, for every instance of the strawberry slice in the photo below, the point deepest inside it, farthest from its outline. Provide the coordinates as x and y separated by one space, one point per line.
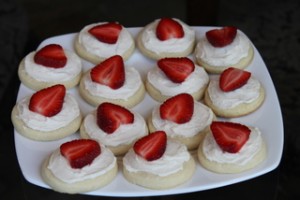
230 136
107 33
179 108
233 78
48 101
221 37
168 28
111 116
80 152
151 147
51 55
110 72
176 69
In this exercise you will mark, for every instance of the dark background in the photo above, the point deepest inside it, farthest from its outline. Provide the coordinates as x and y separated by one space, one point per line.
273 26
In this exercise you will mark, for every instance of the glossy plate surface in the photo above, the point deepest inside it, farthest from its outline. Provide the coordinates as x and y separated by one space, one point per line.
267 118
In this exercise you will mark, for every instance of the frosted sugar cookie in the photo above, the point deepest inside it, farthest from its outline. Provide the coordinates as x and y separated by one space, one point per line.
79 166
173 76
166 37
99 41
49 66
223 48
234 93
156 162
231 148
48 114
111 81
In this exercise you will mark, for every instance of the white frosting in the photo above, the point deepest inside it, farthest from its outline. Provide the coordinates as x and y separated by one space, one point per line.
172 161
105 50
223 56
69 112
201 118
61 169
152 43
193 83
48 74
214 153
225 100
131 85
125 134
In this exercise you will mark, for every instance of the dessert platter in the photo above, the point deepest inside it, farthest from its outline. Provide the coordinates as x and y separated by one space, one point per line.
267 117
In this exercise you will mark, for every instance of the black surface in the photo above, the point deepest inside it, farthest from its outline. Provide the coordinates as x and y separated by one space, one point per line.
273 27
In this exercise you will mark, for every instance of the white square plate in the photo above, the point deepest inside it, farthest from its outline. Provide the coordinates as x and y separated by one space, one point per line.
267 118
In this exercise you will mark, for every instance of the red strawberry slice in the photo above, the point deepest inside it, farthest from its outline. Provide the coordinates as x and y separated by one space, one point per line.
51 55
233 78
110 72
176 69
168 28
230 136
152 146
107 33
48 101
221 37
111 116
80 152
179 108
